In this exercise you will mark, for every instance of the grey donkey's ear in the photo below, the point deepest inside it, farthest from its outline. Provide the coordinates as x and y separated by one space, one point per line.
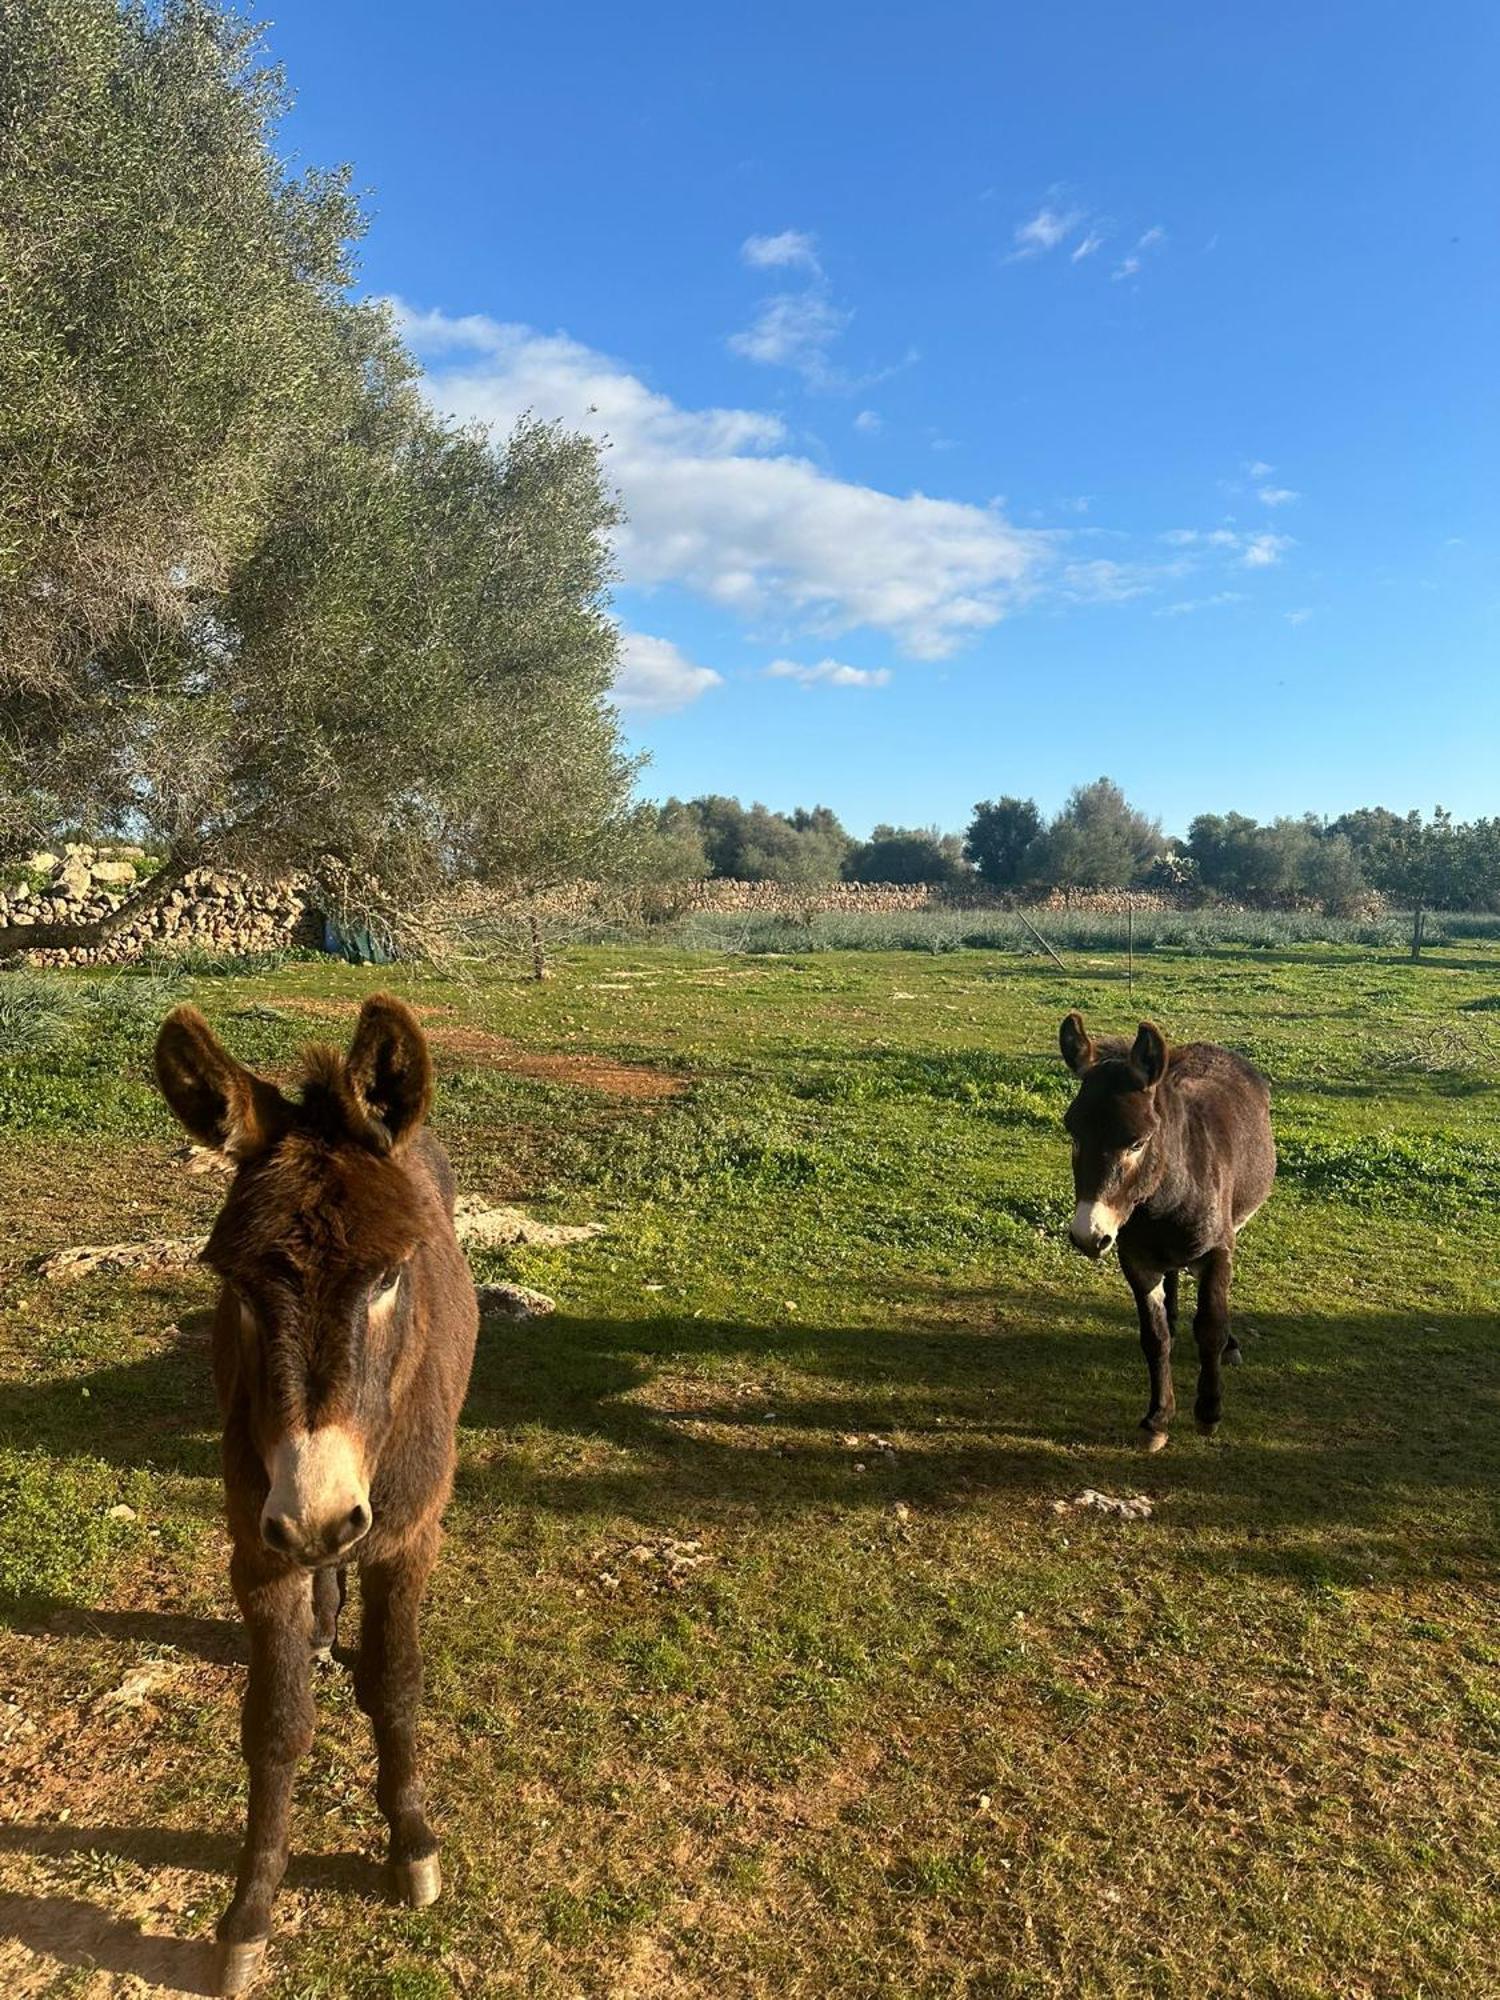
389 1066
1149 1052
1073 1040
221 1103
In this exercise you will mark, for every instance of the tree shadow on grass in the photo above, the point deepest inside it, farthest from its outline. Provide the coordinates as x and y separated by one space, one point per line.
1375 1424
1381 1424
220 1641
1416 1085
157 1413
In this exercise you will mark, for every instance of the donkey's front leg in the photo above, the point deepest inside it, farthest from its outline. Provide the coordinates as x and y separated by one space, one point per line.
388 1687
276 1728
1151 1304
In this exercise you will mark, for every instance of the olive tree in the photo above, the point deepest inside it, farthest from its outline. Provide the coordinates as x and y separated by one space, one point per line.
164 320
260 605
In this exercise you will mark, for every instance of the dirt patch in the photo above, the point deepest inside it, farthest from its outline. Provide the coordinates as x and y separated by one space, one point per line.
468 1044
60 1189
613 1079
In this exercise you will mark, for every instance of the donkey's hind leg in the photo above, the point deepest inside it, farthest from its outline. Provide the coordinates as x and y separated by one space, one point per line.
1211 1327
330 1588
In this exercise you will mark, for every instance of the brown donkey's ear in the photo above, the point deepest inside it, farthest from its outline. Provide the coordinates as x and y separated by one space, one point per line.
1149 1053
222 1104
1073 1040
389 1067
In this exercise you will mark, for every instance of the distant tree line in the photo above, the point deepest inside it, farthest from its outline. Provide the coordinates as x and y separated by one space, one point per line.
1099 840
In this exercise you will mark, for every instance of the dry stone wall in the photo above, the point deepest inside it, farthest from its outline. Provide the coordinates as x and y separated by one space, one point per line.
232 915
206 911
782 899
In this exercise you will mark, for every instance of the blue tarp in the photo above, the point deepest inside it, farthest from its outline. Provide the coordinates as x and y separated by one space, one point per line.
360 946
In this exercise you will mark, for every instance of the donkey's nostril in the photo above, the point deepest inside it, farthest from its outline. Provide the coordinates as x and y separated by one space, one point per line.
276 1533
356 1523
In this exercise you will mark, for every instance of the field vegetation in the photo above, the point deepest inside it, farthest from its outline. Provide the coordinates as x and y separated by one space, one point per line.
770 1653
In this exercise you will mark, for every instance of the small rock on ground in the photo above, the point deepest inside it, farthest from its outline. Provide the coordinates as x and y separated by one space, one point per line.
1129 1507
514 1302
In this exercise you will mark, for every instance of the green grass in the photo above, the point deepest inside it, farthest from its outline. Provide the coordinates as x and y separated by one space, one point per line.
759 1660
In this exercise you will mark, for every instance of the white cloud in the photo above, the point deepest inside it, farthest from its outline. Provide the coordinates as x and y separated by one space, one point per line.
869 421
719 505
1298 617
656 677
1261 551
1187 605
1046 229
1277 496
1053 224
1101 580
830 673
1150 240
1258 469
1256 551
791 249
795 330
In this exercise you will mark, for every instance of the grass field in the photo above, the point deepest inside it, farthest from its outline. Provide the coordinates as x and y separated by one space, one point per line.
760 1660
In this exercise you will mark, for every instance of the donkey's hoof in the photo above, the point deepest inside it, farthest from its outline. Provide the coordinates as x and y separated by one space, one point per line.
417 1883
1205 1427
1232 1356
323 1655
1150 1440
238 1966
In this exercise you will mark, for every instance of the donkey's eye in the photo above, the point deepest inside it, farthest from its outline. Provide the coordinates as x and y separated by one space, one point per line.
387 1281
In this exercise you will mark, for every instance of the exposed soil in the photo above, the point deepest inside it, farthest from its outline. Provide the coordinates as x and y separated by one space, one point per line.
471 1044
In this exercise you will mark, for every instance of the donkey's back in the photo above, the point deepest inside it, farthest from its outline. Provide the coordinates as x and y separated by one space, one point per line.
1224 1135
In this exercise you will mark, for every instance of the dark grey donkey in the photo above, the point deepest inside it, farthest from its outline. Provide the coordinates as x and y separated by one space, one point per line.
1172 1155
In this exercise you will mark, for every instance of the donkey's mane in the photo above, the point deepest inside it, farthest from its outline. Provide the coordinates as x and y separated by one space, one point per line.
327 1107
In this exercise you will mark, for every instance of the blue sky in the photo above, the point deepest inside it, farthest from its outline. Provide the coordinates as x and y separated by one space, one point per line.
1000 396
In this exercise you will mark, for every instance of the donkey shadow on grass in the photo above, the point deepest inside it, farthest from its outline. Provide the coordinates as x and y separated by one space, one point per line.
79 1934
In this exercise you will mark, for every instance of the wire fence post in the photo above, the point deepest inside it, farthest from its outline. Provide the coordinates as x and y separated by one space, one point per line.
1130 935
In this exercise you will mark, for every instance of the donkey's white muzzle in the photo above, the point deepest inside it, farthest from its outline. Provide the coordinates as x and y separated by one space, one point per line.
319 1503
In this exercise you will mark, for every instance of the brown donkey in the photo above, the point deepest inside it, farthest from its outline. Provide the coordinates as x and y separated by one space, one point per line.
1172 1155
342 1345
